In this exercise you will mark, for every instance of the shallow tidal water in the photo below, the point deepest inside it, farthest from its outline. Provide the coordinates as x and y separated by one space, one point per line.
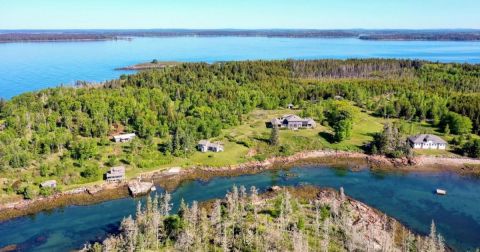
408 197
32 66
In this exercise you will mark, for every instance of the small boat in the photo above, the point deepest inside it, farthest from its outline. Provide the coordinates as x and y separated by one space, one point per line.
441 192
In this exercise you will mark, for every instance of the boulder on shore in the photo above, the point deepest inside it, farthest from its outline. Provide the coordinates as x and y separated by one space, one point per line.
137 188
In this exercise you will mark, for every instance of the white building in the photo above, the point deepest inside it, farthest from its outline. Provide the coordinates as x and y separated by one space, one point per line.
124 137
427 141
205 145
49 183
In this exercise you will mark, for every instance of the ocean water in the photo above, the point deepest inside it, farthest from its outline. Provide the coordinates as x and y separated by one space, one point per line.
408 197
31 66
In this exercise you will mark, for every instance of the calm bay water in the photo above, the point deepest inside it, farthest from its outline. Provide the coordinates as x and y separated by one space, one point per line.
407 197
32 66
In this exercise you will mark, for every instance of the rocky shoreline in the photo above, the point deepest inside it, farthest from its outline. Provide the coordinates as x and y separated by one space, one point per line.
171 178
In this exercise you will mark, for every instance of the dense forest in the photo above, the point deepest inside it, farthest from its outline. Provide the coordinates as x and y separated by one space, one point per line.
194 101
302 219
36 37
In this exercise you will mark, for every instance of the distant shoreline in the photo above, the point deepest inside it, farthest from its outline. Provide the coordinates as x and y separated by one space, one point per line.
14 36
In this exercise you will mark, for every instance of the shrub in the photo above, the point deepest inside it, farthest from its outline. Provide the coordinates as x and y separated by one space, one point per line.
90 171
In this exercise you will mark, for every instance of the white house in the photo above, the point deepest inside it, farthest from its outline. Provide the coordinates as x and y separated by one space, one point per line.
205 145
427 141
124 137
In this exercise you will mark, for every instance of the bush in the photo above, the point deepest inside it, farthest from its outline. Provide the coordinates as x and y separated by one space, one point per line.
84 149
90 171
28 192
46 191
472 148
456 124
44 170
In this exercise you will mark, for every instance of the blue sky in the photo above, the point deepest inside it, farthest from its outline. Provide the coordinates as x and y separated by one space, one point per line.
319 14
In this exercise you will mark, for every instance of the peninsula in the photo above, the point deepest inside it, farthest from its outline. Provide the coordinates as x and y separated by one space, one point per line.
64 136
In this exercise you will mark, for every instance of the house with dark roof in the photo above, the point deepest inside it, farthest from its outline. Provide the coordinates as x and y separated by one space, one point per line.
292 122
205 145
427 141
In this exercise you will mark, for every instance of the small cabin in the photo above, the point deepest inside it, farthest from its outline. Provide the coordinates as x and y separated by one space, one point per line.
115 174
124 138
49 184
290 106
205 145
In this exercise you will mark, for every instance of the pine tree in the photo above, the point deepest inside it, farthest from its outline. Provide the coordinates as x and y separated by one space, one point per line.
274 136
446 130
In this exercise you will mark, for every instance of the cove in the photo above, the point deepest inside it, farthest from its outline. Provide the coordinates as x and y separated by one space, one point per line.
407 197
27 67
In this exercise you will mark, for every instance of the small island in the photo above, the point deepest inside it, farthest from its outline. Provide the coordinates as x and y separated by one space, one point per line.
154 64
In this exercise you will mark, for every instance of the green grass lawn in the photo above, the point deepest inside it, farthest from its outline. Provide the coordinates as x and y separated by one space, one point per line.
243 143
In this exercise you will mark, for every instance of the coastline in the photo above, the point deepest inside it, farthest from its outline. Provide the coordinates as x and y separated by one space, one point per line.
148 66
169 179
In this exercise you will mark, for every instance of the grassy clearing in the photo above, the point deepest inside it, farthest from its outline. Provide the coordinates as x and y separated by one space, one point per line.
243 143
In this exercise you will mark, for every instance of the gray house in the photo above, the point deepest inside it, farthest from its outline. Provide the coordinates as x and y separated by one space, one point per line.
427 141
205 145
49 183
292 122
115 174
124 137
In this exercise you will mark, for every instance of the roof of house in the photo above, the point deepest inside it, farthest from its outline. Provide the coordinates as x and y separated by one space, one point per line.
203 142
117 170
210 144
129 135
48 183
423 138
292 118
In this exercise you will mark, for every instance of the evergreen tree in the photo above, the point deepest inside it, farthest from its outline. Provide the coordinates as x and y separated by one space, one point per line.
274 136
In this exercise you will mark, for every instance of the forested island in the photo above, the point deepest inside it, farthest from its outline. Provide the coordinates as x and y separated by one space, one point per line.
288 219
9 36
369 106
52 37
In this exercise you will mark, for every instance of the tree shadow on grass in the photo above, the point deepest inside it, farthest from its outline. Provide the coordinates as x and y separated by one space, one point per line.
327 136
262 139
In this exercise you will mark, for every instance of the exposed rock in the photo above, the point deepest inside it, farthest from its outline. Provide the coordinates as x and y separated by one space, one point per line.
174 170
9 248
94 190
274 188
139 188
